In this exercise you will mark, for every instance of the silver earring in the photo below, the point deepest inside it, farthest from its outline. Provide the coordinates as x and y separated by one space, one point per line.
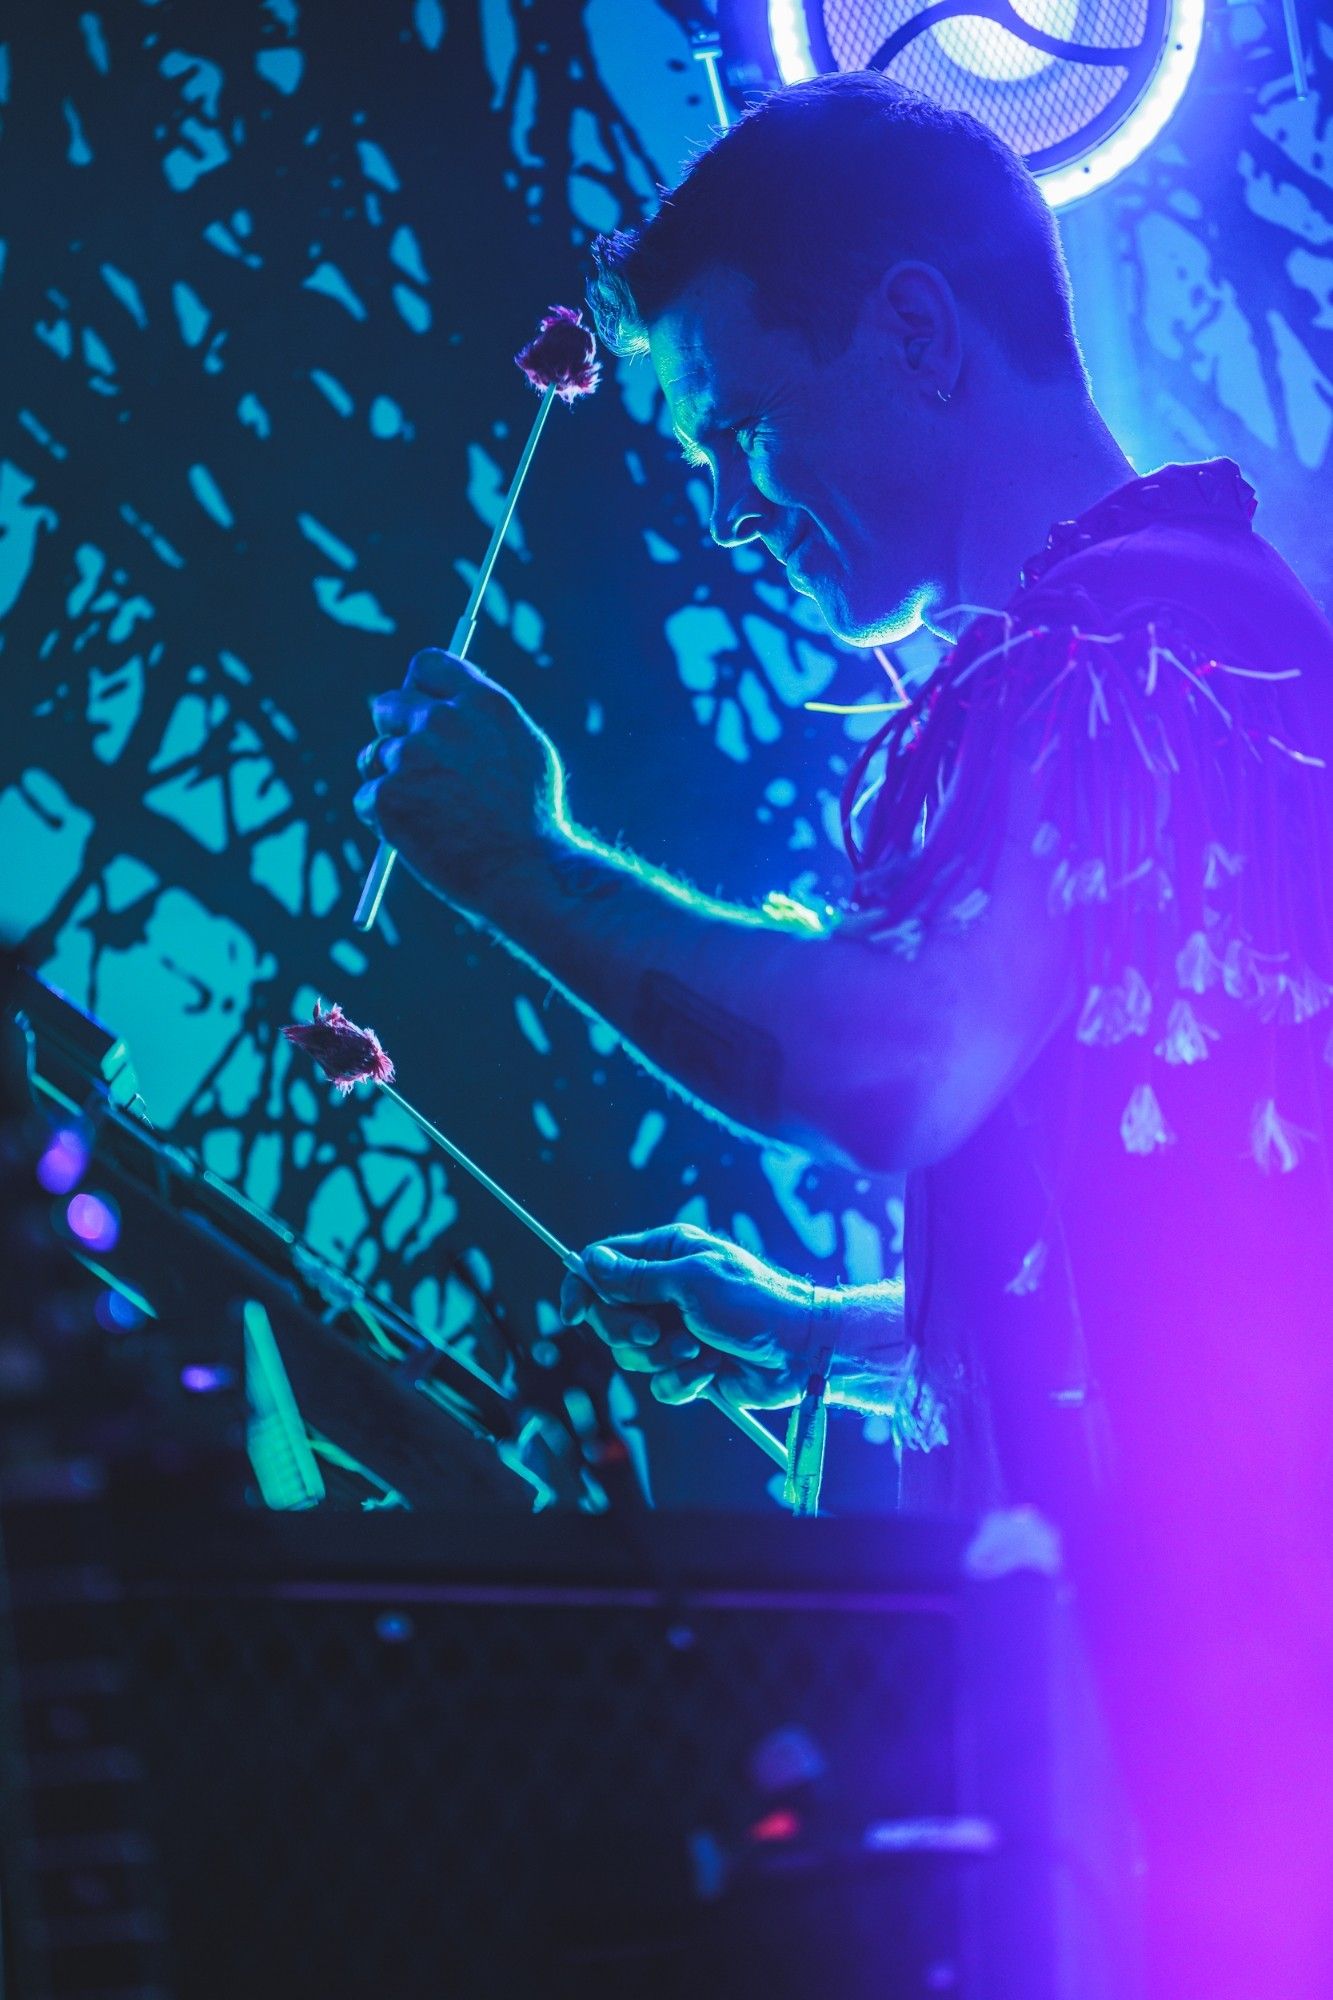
943 395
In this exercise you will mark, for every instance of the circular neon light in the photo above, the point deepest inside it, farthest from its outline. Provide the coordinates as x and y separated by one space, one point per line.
984 48
1101 163
790 36
1085 172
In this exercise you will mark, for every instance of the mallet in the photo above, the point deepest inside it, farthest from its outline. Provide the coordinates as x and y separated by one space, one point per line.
348 1055
561 360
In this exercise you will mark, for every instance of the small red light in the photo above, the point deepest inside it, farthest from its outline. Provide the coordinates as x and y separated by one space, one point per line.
780 1825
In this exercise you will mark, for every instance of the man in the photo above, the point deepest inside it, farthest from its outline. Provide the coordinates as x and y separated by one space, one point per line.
1081 995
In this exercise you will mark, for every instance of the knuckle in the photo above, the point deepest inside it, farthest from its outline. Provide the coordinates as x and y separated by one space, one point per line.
431 663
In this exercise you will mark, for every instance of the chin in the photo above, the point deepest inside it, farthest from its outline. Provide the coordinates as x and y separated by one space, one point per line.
871 624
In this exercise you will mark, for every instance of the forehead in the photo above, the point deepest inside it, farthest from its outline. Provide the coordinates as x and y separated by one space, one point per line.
708 348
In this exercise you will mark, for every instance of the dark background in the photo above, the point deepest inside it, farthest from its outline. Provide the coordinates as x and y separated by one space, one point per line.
264 267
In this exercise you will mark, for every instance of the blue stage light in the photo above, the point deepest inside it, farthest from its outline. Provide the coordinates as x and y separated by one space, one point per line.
201 1379
63 1161
94 1221
116 1313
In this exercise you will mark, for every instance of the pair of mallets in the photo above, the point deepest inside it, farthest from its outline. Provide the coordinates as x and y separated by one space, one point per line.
561 361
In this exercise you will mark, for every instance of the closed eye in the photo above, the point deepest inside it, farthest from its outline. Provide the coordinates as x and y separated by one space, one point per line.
745 435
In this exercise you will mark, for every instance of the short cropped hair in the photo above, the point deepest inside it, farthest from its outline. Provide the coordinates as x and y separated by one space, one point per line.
817 191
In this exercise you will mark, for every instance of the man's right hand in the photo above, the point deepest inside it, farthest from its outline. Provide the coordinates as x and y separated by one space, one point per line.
690 1309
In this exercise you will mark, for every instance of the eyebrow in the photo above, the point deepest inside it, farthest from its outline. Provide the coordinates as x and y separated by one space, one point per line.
715 427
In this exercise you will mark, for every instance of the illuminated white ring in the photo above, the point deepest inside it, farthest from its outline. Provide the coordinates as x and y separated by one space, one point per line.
1119 149
1105 158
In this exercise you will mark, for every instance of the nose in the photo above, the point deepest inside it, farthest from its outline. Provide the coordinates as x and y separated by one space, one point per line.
738 512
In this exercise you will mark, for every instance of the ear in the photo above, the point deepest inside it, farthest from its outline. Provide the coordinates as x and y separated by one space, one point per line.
918 316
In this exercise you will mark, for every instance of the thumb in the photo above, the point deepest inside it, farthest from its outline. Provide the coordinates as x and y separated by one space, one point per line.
642 1280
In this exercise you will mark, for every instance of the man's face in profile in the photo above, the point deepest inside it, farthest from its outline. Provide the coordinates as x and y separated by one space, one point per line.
828 463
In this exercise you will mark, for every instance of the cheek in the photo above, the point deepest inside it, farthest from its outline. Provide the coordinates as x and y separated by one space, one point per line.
802 480
841 481
778 473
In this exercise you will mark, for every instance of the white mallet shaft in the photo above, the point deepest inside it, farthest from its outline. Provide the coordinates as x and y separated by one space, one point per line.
377 879
752 1428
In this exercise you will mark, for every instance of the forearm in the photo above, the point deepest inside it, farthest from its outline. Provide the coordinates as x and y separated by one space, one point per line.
724 1001
881 1047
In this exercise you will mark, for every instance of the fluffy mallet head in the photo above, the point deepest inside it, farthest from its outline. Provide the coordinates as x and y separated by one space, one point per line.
562 355
346 1054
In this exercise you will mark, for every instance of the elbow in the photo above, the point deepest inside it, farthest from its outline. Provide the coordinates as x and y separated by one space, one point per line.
889 1131
867 1135
883 1095
873 1147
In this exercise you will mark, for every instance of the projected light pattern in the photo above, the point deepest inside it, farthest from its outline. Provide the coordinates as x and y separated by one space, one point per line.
188 697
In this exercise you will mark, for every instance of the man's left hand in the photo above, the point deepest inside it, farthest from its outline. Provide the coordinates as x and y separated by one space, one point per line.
692 1310
458 778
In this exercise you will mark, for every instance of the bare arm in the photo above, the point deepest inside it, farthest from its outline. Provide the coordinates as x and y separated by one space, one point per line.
809 1036
802 1034
690 1309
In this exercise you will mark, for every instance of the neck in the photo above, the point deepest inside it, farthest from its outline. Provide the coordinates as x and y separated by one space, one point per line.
1056 460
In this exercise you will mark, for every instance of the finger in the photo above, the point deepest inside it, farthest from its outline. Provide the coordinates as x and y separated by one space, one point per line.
365 803
659 1337
671 1239
398 712
759 1388
432 671
615 1324
388 754
680 1385
625 1326
575 1298
667 1346
641 1281
632 1360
